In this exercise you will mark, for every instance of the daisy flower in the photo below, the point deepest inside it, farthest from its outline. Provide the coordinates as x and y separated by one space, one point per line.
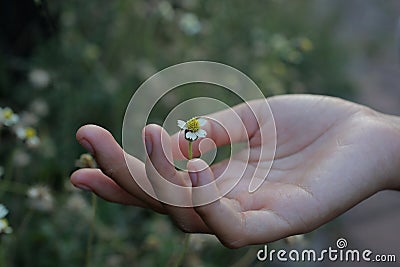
193 129
8 117
4 225
28 135
3 211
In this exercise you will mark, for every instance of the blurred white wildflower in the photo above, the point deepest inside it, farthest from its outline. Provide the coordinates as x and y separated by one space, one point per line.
304 44
294 57
79 205
198 241
28 118
190 24
28 135
39 107
76 202
39 78
3 211
279 43
4 225
295 240
86 161
40 198
8 117
166 10
21 158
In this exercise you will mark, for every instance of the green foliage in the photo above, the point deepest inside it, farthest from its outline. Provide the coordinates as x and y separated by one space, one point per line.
81 61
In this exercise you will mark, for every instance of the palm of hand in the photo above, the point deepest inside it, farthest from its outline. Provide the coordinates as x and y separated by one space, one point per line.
309 181
313 177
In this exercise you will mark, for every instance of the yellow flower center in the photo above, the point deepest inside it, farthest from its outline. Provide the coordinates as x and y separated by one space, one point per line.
306 45
3 223
7 114
193 125
30 132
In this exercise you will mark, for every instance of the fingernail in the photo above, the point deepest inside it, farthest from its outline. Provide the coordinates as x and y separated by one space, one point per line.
86 145
148 144
194 178
83 187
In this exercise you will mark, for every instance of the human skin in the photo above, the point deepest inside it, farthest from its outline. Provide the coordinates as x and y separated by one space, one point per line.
330 155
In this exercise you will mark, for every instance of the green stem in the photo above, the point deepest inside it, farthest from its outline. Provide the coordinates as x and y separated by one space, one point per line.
190 150
2 255
187 236
184 250
91 232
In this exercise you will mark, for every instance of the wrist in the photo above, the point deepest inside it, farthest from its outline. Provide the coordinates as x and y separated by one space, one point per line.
391 141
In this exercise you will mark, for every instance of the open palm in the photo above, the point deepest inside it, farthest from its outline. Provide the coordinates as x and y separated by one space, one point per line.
326 161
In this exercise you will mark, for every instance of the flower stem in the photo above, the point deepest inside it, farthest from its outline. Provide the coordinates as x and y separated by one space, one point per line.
91 232
2 255
185 248
190 150
187 236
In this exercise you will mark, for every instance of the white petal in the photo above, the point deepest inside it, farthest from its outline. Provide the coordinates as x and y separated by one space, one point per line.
191 136
3 211
182 124
202 121
3 226
33 142
21 134
201 133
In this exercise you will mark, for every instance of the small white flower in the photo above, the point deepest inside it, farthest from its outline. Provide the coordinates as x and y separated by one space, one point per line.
21 158
190 24
193 129
39 107
39 78
40 198
4 227
28 135
3 211
8 117
166 10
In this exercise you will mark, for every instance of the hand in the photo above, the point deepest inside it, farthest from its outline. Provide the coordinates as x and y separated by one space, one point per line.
330 155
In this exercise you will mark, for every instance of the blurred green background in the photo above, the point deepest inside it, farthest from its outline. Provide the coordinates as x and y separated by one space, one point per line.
68 63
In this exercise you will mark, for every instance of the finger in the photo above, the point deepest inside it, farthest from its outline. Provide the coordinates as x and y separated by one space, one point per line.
222 216
163 176
110 158
95 181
